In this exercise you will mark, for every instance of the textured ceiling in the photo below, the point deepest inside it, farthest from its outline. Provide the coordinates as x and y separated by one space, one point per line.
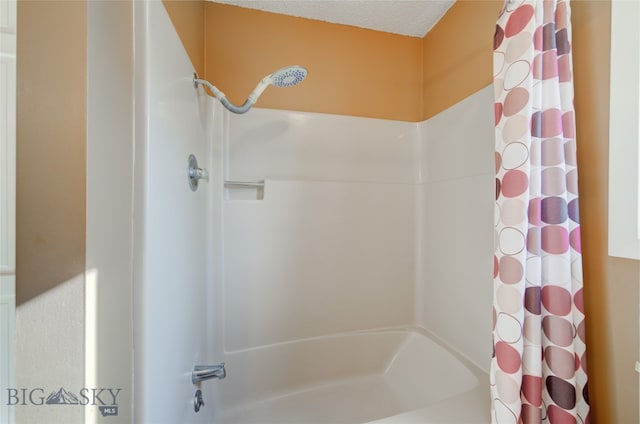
406 17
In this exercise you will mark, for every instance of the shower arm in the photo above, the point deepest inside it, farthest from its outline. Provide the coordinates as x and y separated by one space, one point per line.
251 100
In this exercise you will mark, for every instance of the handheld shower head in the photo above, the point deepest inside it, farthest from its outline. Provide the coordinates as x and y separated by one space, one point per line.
284 77
289 76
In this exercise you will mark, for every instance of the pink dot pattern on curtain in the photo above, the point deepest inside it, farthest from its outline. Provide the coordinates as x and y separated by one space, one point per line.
538 368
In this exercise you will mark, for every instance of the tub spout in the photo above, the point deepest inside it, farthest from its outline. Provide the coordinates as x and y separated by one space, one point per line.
207 372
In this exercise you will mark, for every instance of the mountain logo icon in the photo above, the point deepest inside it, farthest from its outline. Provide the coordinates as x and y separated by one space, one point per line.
62 397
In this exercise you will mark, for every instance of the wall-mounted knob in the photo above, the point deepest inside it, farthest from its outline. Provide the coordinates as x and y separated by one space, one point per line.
195 173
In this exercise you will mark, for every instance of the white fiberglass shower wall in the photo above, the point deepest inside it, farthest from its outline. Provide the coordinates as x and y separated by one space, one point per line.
362 224
330 247
173 251
458 187
365 223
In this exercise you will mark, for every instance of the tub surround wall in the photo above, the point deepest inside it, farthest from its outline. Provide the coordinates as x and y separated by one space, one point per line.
316 258
330 248
360 215
457 252
108 287
172 254
325 147
317 157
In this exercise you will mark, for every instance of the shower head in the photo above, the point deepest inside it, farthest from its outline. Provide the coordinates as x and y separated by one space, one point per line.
289 76
284 77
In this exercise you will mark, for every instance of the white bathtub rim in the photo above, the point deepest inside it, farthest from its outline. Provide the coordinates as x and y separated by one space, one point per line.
407 332
394 329
477 369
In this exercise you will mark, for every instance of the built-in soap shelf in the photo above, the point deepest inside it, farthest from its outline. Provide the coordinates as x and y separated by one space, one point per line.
243 190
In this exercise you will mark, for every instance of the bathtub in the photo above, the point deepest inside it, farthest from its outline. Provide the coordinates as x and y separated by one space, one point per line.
390 376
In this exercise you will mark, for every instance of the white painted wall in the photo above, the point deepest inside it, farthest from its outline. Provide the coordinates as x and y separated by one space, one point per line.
457 208
172 244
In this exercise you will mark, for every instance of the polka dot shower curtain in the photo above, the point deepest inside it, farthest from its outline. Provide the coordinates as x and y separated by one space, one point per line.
538 369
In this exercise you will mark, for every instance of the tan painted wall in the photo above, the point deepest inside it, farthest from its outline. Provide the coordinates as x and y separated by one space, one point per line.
611 284
457 54
50 227
352 71
51 137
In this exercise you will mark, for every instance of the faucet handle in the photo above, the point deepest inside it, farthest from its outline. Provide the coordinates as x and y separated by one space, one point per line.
196 173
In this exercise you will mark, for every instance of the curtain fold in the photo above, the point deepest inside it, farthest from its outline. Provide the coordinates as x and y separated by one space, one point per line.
538 369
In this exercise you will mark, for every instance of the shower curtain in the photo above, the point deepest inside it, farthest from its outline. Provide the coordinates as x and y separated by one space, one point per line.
538 368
